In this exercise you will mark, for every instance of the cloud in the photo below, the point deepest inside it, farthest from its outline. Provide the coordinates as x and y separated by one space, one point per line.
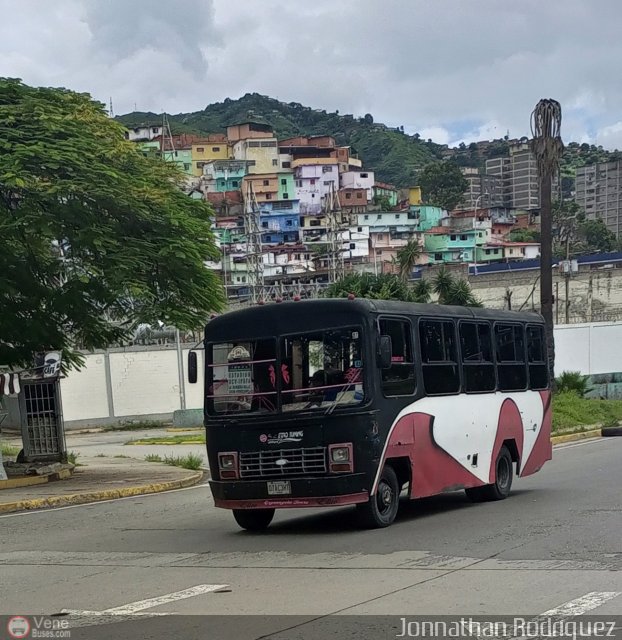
453 71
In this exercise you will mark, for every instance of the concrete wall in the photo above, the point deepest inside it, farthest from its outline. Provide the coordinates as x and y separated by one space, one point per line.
594 295
129 384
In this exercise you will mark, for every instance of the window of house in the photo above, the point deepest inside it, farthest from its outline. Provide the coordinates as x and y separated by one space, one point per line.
510 348
243 278
288 223
379 216
286 165
314 223
438 257
478 367
297 256
364 175
215 149
299 183
268 196
397 216
359 195
327 183
266 183
285 196
496 251
348 196
365 217
275 162
487 252
463 237
284 181
312 181
439 357
155 130
327 169
359 229
186 166
452 237
268 238
264 224
200 149
537 357
380 236
234 183
399 378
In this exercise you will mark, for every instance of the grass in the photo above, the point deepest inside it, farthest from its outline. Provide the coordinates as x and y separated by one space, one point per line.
571 413
120 455
140 425
190 461
8 450
72 457
186 439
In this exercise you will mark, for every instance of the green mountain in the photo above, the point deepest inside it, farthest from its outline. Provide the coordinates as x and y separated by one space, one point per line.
394 156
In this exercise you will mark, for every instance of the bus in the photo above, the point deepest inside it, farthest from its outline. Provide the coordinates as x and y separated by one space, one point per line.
352 402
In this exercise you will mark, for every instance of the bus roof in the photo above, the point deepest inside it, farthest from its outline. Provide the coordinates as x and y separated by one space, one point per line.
278 316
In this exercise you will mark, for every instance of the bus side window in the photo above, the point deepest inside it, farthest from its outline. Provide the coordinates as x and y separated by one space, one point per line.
511 366
536 358
399 378
439 357
477 363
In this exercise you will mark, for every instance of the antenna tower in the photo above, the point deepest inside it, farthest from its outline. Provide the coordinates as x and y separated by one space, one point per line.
335 236
254 257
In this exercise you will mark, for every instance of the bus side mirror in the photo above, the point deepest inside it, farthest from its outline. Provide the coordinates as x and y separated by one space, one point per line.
385 351
192 367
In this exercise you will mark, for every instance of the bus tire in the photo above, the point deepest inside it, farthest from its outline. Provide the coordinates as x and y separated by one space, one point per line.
381 509
253 519
500 489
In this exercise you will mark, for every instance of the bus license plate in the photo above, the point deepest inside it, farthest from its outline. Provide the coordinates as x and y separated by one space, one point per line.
279 488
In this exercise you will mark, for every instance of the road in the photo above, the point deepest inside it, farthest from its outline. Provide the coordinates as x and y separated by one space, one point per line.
556 540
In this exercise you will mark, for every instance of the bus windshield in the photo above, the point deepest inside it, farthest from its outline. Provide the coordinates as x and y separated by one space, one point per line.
325 369
315 371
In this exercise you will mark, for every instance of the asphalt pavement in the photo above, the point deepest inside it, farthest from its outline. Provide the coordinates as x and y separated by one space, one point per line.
113 569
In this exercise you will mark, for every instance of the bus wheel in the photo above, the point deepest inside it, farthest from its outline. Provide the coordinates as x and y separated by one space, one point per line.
253 519
381 509
500 489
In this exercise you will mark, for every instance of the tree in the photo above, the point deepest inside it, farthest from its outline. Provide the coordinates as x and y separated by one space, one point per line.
389 286
443 185
407 258
452 290
597 237
368 118
95 238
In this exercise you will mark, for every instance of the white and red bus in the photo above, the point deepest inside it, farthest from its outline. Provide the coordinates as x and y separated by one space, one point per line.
338 402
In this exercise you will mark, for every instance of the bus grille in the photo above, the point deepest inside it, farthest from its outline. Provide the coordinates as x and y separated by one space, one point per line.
263 464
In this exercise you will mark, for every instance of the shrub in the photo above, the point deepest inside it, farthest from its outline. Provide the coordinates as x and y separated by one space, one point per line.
573 382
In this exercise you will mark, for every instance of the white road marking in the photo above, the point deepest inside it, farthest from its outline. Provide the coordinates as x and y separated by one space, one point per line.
582 605
140 605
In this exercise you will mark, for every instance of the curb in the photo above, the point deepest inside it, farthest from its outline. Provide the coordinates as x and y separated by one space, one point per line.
99 496
147 443
184 430
31 481
572 437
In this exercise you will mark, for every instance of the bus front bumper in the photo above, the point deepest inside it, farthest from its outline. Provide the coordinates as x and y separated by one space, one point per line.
329 491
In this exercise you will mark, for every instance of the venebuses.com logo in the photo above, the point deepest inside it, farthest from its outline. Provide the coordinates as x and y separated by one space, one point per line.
18 627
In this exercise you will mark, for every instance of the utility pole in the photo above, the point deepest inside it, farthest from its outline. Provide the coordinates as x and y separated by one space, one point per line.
335 236
547 147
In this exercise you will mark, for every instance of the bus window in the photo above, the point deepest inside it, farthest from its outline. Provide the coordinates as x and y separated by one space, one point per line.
510 348
322 369
438 357
242 376
536 357
477 364
399 378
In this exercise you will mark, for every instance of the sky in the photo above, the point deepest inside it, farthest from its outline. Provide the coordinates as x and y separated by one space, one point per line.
451 70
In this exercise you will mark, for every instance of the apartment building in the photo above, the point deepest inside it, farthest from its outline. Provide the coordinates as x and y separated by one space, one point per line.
598 189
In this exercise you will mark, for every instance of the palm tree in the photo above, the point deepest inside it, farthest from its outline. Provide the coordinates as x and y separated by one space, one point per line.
422 291
407 258
443 282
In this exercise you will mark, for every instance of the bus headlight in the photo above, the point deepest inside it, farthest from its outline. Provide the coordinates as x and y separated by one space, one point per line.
228 465
340 454
340 458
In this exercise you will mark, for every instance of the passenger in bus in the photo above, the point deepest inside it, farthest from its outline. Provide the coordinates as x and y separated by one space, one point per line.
328 380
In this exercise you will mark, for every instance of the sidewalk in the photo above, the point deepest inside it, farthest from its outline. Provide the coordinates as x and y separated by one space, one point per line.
99 479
